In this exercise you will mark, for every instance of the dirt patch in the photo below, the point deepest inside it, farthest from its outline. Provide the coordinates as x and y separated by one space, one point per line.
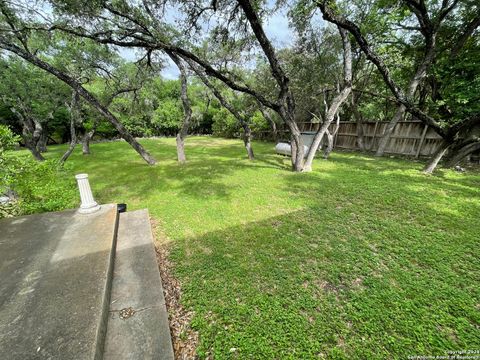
329 287
184 338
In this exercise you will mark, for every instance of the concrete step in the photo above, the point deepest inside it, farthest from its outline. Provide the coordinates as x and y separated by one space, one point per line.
56 272
138 321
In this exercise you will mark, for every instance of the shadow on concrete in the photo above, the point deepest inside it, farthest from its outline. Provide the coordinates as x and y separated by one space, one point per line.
56 271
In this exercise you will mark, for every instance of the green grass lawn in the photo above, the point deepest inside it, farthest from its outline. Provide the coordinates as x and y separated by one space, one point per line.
363 258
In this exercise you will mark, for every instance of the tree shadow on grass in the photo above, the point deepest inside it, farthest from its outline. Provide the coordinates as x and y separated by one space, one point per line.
115 169
312 282
275 161
115 165
397 196
204 178
406 172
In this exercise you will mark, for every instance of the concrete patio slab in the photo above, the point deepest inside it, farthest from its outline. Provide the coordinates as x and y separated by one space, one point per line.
54 290
137 291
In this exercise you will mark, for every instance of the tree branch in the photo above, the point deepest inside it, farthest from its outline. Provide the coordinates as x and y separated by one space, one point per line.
470 28
330 15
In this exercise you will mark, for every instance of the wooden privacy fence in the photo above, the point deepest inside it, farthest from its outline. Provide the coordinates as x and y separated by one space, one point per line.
408 138
411 138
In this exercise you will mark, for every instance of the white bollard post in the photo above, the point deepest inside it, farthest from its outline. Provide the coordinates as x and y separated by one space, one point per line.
89 205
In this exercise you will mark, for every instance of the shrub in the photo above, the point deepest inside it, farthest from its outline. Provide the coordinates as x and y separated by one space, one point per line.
32 186
44 186
225 124
167 117
7 167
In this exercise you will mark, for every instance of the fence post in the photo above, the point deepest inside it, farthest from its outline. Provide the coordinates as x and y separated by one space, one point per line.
425 128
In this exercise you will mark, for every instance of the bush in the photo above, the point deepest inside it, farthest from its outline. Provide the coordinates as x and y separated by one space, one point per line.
7 167
44 186
167 117
225 124
31 186
138 126
7 172
258 123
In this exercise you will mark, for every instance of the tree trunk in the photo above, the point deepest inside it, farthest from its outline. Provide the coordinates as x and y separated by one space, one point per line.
181 149
247 140
86 142
226 105
286 104
360 135
462 39
42 142
86 145
28 133
74 119
412 88
296 141
76 86
71 147
462 153
429 31
382 144
272 123
336 102
315 144
187 110
430 167
329 147
38 133
330 138
33 149
359 122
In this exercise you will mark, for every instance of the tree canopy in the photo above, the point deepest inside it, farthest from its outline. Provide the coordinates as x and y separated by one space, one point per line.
380 60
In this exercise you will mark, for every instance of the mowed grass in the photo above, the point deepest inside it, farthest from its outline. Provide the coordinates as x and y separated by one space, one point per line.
363 258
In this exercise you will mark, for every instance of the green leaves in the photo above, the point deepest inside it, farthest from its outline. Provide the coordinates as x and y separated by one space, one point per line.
37 186
7 139
168 116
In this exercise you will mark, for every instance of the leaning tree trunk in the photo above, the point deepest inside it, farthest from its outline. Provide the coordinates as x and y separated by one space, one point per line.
272 123
317 139
73 143
330 138
187 110
246 128
31 146
76 86
28 134
337 101
462 153
42 142
382 144
74 119
412 88
430 167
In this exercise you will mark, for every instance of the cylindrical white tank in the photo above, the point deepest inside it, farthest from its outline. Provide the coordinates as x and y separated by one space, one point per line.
285 149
